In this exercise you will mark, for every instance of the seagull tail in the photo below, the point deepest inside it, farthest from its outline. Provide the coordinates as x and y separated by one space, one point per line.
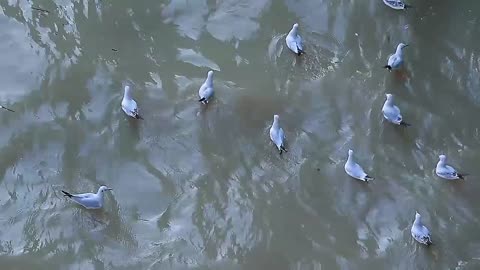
300 51
405 124
202 99
66 194
368 178
405 6
388 67
429 242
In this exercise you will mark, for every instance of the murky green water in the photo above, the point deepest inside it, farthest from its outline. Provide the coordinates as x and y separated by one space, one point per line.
203 188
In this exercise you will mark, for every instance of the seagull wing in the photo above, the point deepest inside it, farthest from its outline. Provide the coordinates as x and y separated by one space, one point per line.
276 135
207 93
355 170
87 200
130 107
391 113
291 43
299 42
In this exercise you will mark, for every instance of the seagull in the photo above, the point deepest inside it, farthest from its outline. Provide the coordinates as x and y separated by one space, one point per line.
129 106
395 60
396 4
355 170
294 41
392 112
276 135
420 232
5 108
445 171
88 200
206 90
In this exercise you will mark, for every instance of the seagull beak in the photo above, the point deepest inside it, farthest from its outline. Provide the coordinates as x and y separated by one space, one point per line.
406 45
109 188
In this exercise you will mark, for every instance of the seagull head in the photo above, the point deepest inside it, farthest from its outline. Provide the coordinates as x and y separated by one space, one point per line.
275 118
104 188
350 152
128 91
210 74
442 158
295 26
417 215
402 45
389 97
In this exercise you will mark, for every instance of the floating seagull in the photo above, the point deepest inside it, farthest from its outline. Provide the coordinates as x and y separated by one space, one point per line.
355 170
5 108
129 106
206 90
420 232
396 4
445 171
392 112
276 134
88 200
395 60
294 41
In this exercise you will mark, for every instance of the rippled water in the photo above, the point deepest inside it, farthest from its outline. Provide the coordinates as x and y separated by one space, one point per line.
203 188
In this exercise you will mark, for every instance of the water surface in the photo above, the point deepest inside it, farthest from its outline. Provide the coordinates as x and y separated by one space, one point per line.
203 188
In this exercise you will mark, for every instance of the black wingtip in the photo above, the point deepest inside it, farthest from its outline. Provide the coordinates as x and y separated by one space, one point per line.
67 194
405 124
388 67
202 100
283 148
5 108
462 176
138 116
405 6
300 52
369 178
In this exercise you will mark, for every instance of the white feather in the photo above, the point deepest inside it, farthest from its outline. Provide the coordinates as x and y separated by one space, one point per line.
89 200
129 106
354 170
293 40
445 171
391 112
276 133
396 60
420 232
206 90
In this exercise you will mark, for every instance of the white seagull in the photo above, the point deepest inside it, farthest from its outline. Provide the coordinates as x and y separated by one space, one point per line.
206 90
445 171
294 41
88 200
129 106
396 60
396 4
420 232
354 170
392 112
276 134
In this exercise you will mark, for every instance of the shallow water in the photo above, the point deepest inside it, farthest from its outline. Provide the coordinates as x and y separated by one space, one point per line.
203 188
